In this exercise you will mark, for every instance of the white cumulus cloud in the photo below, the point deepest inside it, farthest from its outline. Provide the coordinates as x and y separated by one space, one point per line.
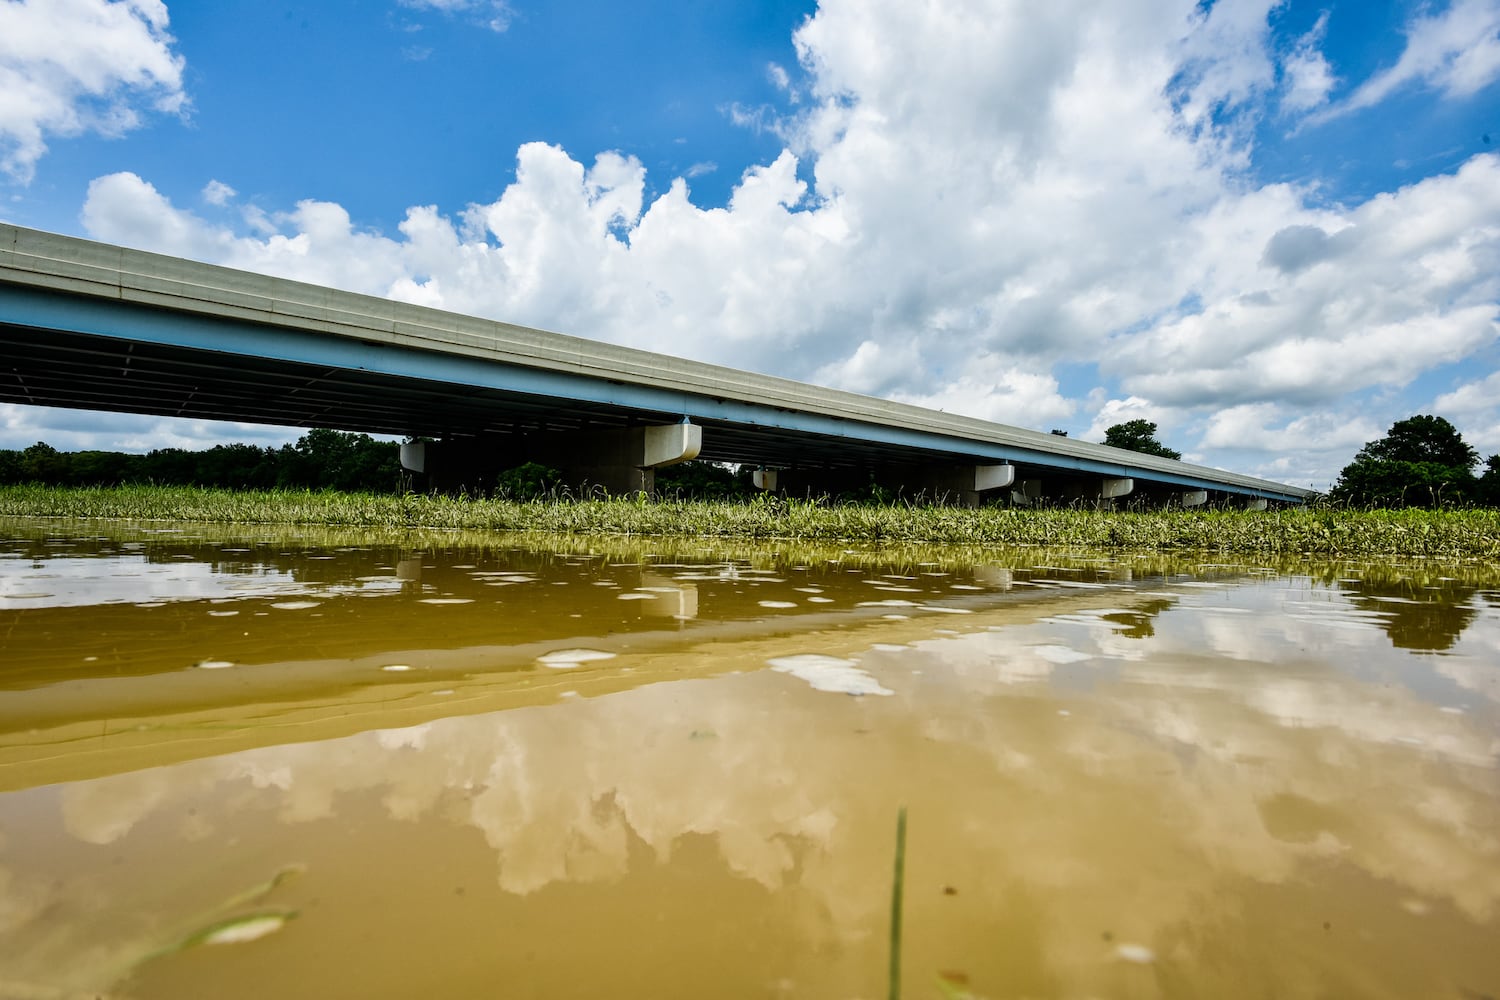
1455 51
74 66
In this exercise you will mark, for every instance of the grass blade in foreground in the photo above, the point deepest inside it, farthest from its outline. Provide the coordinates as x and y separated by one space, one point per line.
898 886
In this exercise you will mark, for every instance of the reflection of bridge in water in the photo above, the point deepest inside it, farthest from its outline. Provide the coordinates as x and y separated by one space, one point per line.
99 327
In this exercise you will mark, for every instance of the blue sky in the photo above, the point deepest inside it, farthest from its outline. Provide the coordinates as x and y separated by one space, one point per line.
1272 228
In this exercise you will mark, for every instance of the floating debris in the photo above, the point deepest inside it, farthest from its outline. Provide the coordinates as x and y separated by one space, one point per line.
446 600
213 664
396 668
778 604
295 605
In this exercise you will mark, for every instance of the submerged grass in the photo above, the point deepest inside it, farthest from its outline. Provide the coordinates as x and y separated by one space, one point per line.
1315 530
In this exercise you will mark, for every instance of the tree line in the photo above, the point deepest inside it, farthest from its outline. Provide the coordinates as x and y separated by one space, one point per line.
320 459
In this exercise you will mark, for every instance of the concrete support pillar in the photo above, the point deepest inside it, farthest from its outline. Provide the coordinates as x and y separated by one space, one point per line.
414 456
1253 503
619 461
1107 491
670 444
764 479
962 485
956 484
1101 492
1195 498
993 477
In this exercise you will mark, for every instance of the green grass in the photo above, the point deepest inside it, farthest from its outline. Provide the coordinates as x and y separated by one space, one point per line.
1318 530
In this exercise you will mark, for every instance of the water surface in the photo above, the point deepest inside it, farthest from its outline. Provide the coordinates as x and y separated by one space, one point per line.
259 762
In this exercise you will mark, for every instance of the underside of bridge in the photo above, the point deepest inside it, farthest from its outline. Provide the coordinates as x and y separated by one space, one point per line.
479 431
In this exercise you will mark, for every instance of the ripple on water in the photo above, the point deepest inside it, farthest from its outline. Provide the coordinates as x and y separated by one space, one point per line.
295 605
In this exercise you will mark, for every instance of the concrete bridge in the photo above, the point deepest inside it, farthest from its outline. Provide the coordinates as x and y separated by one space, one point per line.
93 326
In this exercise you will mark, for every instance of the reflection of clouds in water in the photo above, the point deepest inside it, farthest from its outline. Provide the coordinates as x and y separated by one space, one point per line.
101 812
554 790
1477 669
70 582
1192 776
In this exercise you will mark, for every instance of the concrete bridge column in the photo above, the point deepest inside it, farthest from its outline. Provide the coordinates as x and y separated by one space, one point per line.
1102 492
961 485
619 461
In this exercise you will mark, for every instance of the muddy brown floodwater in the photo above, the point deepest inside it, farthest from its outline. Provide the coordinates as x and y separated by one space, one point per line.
256 762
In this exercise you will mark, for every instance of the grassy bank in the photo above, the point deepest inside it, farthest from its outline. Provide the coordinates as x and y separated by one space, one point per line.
1314 530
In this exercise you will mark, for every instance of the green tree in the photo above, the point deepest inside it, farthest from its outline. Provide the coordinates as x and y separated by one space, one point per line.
329 459
1422 461
42 463
1138 435
528 481
702 480
100 468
